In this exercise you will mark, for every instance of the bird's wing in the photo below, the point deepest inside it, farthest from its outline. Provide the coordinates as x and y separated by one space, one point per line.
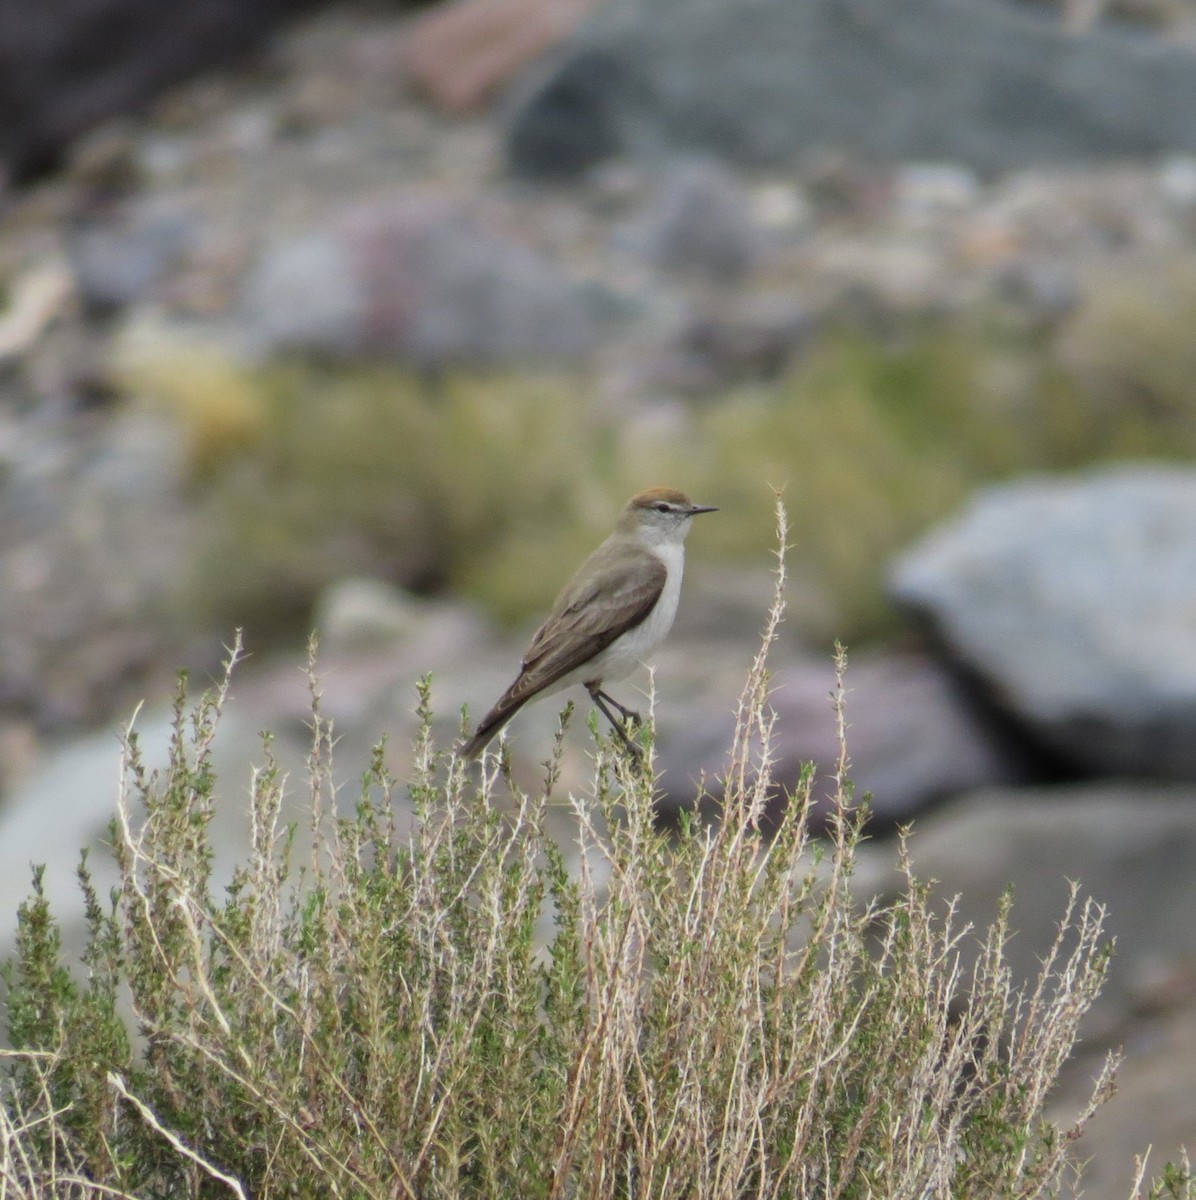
588 617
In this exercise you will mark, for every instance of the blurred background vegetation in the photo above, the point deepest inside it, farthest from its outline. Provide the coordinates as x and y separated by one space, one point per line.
488 483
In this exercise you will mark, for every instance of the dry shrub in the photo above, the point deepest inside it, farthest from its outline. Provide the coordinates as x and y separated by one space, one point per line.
449 1011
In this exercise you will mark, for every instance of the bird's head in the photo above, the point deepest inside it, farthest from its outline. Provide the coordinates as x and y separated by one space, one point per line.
661 514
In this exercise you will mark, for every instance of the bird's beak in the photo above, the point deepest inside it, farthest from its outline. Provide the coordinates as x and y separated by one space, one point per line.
694 509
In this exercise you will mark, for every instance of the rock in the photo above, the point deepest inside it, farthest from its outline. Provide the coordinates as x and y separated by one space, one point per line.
93 563
117 262
718 342
306 292
360 614
64 69
1042 293
1071 600
912 736
982 84
1082 14
1129 846
421 280
702 225
744 341
1152 1108
1177 181
922 192
36 298
583 115
64 801
62 806
460 53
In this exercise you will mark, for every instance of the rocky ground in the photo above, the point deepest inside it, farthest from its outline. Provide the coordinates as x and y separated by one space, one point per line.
274 355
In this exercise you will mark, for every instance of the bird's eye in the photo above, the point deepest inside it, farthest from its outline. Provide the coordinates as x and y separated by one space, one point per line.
661 506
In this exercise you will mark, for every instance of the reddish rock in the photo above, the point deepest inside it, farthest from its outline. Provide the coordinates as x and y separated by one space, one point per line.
459 54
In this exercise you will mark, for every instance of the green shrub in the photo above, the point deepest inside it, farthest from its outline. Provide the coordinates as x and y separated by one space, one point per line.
1130 352
446 1010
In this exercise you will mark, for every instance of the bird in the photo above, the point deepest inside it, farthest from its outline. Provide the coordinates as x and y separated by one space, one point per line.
616 609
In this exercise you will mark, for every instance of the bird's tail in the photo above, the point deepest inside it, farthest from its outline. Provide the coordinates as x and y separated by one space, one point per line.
491 723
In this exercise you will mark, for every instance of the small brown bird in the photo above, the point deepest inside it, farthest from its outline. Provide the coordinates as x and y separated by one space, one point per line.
615 610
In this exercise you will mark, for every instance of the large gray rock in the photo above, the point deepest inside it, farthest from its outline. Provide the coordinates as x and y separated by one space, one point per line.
975 81
1132 848
1153 1104
1074 601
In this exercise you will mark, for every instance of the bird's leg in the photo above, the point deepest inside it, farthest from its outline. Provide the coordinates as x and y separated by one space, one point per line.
625 713
600 698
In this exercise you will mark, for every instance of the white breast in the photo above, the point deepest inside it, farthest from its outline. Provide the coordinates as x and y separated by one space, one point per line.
629 651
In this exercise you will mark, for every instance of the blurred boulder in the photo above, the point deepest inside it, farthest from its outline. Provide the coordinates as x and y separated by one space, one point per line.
702 226
912 734
745 340
67 66
1132 848
94 546
117 261
923 192
62 806
306 292
1152 1108
983 84
422 280
364 614
1042 293
1072 601
1129 846
586 112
